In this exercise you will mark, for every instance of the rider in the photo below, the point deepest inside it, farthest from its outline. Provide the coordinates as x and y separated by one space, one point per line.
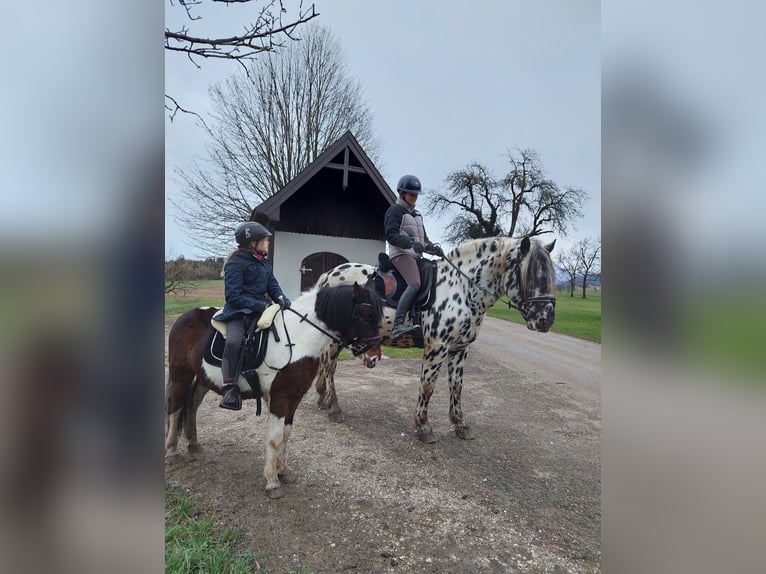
407 240
248 277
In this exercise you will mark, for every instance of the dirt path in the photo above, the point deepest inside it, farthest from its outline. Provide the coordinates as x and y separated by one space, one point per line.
523 497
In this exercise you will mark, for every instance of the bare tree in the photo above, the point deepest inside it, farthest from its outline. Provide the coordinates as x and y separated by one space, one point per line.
177 279
268 126
523 202
569 262
589 258
272 26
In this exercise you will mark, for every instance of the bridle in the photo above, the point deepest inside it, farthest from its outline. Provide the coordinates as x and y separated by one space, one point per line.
524 298
357 345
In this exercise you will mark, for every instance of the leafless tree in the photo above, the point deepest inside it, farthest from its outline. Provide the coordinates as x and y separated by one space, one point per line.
177 273
268 126
570 263
589 257
523 202
269 26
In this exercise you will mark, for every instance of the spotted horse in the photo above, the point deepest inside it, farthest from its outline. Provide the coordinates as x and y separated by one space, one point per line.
469 280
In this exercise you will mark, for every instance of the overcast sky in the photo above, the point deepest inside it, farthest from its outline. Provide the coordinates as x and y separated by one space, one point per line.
448 83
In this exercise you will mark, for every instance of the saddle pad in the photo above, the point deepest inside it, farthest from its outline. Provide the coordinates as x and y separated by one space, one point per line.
390 285
264 322
255 349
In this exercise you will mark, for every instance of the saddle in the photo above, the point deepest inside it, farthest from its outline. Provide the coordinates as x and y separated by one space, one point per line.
254 346
389 284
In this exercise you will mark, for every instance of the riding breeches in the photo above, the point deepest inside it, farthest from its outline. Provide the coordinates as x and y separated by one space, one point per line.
408 268
235 331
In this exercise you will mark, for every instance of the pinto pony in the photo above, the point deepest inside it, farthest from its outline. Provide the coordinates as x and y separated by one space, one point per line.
469 280
347 315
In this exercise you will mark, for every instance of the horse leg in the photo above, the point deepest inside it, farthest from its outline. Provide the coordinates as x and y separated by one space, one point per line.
325 385
175 403
429 373
455 370
190 424
274 445
285 475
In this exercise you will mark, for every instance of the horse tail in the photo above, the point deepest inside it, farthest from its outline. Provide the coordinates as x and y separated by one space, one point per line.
188 404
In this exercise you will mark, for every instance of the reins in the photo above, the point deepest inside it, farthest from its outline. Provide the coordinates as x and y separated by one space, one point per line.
522 290
357 346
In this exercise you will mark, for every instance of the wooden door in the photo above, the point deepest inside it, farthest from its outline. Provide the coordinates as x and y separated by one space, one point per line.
316 264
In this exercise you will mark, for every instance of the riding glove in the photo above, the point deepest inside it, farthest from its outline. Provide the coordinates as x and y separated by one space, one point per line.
284 302
432 249
417 246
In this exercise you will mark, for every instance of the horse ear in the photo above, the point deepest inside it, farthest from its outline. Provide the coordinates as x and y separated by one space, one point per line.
358 293
525 245
549 247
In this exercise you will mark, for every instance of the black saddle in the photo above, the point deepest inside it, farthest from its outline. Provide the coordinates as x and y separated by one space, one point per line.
253 346
390 285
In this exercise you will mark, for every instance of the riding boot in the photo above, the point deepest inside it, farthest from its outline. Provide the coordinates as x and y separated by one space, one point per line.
232 398
402 308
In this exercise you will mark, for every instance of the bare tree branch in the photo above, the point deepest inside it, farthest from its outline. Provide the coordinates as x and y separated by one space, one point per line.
264 35
271 29
177 108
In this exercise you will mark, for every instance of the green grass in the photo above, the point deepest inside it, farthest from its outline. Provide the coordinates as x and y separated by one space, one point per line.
575 316
193 544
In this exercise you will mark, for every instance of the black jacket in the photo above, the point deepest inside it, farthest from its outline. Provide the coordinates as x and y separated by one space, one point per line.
247 280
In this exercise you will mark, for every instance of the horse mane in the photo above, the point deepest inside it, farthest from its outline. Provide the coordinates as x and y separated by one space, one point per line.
537 263
335 305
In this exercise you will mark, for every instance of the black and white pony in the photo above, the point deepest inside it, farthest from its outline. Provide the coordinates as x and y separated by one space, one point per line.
470 279
347 315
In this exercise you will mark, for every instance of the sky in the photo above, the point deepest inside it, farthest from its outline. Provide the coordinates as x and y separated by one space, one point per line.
448 83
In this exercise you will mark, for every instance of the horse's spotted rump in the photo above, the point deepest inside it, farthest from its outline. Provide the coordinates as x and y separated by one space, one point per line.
522 270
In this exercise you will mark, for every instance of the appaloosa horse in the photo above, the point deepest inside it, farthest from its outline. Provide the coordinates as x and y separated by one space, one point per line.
470 279
347 315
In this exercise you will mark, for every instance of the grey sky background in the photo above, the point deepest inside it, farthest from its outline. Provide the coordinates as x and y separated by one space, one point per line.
448 83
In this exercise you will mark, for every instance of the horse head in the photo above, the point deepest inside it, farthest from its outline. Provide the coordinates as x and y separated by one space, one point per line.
354 313
532 283
366 317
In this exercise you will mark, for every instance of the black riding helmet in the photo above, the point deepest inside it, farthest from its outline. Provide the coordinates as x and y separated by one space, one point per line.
409 184
250 231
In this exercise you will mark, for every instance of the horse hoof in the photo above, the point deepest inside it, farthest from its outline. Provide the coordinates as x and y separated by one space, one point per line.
195 448
425 435
274 493
336 417
172 458
288 477
465 433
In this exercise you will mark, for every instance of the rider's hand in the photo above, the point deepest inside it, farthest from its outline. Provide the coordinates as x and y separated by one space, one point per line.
284 302
418 247
432 249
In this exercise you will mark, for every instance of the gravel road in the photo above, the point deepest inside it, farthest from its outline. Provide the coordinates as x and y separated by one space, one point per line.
524 496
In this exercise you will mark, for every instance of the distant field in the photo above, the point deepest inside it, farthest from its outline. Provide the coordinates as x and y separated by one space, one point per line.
575 316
